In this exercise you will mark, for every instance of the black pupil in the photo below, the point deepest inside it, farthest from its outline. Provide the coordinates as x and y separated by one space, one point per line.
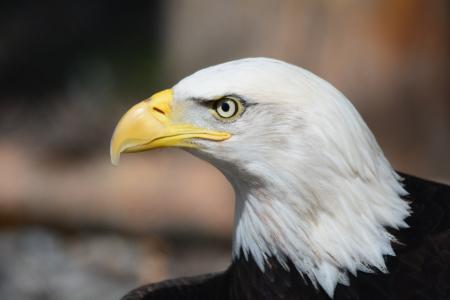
225 106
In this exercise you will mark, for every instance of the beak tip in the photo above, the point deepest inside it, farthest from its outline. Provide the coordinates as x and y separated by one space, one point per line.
115 157
115 161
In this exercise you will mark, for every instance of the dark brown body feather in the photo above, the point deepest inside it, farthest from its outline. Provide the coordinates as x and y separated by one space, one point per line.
420 269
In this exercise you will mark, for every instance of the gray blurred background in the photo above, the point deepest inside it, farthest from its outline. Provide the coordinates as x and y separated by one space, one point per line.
74 227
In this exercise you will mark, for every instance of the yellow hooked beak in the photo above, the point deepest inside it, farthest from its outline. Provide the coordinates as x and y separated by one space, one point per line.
148 125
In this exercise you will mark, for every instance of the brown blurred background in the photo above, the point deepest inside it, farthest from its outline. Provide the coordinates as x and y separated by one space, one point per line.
74 227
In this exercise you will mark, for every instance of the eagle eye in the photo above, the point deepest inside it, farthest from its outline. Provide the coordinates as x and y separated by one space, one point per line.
227 108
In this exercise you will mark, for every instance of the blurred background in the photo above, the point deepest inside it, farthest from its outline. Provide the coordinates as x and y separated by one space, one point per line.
74 227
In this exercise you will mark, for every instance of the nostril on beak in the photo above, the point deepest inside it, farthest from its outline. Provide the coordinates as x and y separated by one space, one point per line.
159 110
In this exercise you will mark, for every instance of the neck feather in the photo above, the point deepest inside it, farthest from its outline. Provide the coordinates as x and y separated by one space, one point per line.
332 226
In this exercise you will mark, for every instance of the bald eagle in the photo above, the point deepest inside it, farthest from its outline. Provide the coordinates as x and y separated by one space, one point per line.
319 213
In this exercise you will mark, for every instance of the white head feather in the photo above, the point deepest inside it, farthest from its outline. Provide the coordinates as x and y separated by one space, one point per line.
312 185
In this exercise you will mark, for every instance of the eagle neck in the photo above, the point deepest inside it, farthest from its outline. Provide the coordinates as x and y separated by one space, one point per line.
324 242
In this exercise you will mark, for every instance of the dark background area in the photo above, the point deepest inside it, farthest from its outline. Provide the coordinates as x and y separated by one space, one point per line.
45 44
74 227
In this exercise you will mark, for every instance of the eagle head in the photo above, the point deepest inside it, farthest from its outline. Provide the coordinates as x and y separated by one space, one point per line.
312 185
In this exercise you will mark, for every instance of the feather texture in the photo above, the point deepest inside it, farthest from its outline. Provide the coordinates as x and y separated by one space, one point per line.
420 270
312 185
